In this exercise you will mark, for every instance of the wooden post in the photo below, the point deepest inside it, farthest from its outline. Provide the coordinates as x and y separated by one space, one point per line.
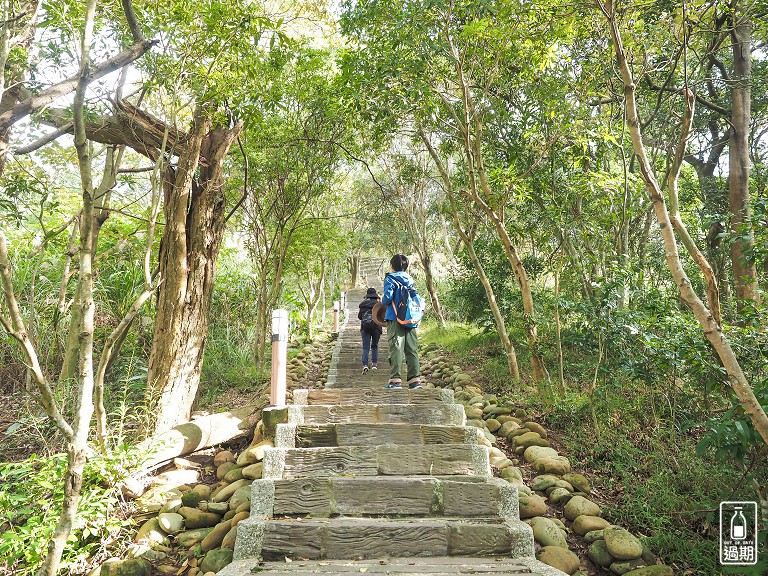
279 356
344 303
336 317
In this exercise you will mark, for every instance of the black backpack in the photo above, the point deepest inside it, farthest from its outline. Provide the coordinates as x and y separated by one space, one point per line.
366 320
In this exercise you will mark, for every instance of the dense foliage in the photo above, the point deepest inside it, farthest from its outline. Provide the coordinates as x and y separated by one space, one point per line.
487 139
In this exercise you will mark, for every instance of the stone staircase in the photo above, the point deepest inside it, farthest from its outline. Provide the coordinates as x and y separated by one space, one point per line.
368 480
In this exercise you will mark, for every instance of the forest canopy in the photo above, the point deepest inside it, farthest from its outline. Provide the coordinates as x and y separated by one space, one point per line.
581 186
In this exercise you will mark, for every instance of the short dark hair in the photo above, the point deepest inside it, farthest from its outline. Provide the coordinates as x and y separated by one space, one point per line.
399 263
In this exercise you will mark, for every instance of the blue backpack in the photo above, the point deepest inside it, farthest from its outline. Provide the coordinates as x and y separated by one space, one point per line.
408 308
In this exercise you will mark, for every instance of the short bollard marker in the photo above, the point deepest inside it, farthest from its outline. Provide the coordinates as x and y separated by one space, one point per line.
279 356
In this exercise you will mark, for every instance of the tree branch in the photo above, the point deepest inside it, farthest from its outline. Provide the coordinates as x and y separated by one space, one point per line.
38 101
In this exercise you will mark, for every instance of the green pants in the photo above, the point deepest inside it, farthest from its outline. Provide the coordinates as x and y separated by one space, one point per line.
402 341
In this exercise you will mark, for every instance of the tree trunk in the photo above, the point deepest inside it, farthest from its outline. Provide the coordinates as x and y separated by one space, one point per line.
194 207
498 318
426 260
190 437
744 273
83 409
712 330
354 269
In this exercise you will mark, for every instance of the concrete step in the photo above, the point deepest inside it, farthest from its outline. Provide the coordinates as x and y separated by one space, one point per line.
387 460
357 396
403 496
433 566
422 413
327 435
353 538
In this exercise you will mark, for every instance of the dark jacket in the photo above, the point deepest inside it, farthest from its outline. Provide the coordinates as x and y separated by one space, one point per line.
368 304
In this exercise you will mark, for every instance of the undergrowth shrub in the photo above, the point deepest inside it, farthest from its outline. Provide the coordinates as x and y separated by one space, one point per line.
31 495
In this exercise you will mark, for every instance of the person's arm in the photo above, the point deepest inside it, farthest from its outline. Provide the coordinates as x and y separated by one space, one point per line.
388 292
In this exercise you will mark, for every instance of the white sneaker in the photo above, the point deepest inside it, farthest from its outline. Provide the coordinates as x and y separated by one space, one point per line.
365 370
374 368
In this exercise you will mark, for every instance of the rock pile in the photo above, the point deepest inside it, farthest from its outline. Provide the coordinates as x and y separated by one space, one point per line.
556 501
192 526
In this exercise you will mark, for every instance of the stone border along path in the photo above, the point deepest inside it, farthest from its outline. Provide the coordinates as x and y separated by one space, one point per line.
363 479
435 498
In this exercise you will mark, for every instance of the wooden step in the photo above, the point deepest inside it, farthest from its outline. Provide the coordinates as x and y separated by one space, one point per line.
448 496
325 435
353 538
424 413
432 566
356 396
387 460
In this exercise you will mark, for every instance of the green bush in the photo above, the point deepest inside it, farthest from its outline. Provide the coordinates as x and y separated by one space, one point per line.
31 495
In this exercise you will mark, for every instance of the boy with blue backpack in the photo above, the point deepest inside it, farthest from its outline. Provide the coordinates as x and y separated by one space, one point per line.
404 311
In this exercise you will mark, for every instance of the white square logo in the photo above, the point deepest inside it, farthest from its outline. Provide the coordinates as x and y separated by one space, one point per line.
738 533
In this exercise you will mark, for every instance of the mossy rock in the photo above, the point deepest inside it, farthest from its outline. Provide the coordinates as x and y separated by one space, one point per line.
657 570
578 506
130 567
622 544
191 538
560 558
598 553
216 559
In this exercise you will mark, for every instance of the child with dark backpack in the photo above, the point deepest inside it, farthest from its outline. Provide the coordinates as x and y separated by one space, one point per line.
369 330
404 311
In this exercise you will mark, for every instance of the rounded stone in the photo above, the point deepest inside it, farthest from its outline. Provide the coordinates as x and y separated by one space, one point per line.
578 481
234 475
239 517
593 536
535 427
191 499
560 558
533 453
150 533
253 471
218 507
598 553
171 523
527 439
559 495
215 560
477 423
130 567
621 544
558 465
547 533
192 537
543 481
224 469
204 490
229 539
473 413
215 536
222 457
532 505
657 570
587 523
512 472
493 424
194 518
507 427
626 566
238 498
578 506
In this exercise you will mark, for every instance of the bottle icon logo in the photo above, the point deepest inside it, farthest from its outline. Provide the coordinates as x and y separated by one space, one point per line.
738 525
738 533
